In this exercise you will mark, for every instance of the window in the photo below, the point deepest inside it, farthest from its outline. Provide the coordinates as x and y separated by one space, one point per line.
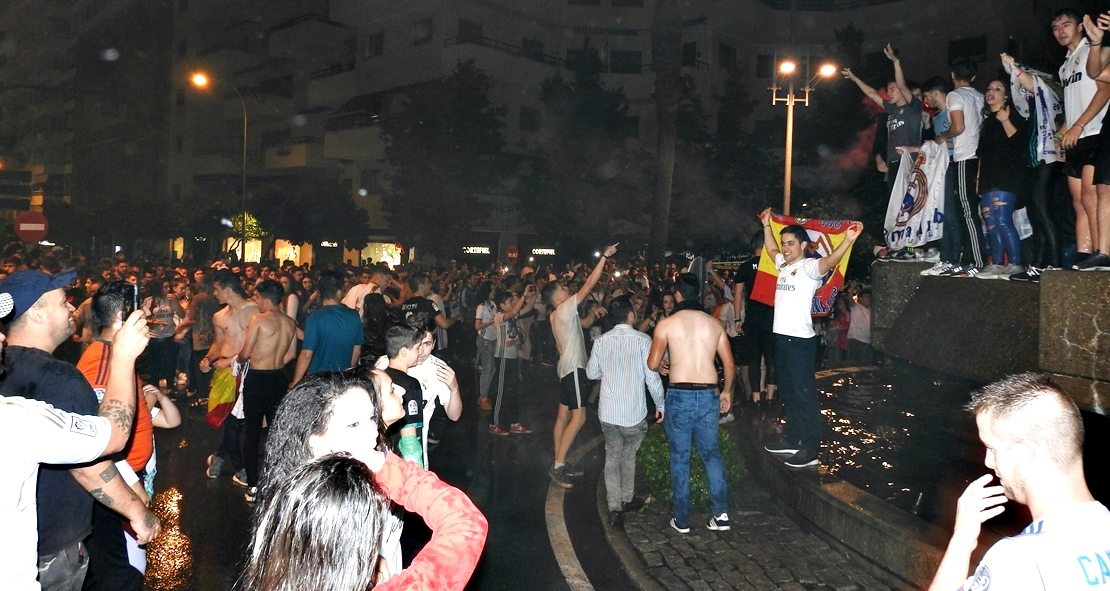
628 2
183 48
532 49
579 58
529 119
179 97
370 180
726 56
469 32
179 144
974 49
422 31
690 54
625 62
177 192
375 45
764 66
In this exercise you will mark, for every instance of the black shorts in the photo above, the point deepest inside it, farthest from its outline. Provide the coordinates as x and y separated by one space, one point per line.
1085 153
574 388
1102 160
742 350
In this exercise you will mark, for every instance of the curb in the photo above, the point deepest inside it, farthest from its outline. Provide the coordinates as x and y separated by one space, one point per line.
618 540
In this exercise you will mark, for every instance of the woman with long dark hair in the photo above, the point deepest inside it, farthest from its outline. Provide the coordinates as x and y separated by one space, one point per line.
1003 158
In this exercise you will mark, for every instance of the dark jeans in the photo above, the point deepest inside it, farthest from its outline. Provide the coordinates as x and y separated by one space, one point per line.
506 391
763 347
109 568
65 569
199 382
1044 244
998 218
230 449
798 389
263 390
161 360
962 223
860 352
694 413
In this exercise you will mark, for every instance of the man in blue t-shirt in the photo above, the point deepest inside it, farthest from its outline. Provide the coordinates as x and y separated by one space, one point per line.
332 334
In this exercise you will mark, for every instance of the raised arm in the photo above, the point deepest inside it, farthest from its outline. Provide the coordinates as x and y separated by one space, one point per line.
899 78
870 92
1098 56
595 275
1024 77
826 264
977 504
770 244
119 402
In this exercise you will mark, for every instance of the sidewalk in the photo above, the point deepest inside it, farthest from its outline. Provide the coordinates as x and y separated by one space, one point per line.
764 551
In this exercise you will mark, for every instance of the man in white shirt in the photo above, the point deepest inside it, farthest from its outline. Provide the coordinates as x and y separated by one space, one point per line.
619 360
965 114
795 341
572 365
34 433
371 281
1033 433
1096 211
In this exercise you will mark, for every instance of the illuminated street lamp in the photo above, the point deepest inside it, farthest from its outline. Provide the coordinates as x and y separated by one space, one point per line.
201 80
787 70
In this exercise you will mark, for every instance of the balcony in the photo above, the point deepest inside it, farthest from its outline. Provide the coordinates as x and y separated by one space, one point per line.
503 47
298 153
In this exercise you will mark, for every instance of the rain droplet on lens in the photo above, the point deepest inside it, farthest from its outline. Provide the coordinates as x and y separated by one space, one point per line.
109 55
300 120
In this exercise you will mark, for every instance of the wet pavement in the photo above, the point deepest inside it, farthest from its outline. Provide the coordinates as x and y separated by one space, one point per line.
206 522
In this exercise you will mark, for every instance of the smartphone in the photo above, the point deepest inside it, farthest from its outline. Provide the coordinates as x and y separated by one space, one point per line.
131 299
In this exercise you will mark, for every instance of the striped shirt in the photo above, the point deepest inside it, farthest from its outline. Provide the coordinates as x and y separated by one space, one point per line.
619 360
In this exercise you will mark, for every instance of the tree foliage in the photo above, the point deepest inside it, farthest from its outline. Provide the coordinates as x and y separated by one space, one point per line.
444 147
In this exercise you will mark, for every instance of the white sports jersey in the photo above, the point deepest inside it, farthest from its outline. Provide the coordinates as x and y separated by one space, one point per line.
794 296
1079 89
968 101
1067 549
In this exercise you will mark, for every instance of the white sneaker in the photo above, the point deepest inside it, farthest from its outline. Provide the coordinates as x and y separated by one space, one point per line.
938 268
932 255
991 272
726 418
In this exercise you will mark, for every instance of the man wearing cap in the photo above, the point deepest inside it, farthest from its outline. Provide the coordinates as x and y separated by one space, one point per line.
40 319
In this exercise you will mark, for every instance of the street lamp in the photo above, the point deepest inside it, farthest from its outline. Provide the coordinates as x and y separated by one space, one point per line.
787 70
201 80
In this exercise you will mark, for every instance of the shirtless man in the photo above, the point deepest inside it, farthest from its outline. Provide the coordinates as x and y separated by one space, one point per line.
270 345
572 364
693 340
230 330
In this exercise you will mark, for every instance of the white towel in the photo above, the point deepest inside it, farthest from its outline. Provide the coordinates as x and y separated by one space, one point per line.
1047 103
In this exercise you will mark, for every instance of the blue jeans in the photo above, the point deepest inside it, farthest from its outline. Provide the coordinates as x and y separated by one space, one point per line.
998 217
694 412
798 391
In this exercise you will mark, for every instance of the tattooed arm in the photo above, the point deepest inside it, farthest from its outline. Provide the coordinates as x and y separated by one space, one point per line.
104 483
119 402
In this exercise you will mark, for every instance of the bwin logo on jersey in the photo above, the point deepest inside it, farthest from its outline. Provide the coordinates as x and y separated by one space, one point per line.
917 193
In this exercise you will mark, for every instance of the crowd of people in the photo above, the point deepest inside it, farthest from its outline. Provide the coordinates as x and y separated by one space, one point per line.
1010 151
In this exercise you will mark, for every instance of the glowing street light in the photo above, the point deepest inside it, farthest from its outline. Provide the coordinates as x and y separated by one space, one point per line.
201 80
787 69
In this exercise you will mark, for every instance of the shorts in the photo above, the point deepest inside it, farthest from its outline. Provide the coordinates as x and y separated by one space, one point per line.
574 387
742 350
1102 159
1085 153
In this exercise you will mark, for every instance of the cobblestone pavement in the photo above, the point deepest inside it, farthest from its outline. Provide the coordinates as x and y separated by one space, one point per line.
764 551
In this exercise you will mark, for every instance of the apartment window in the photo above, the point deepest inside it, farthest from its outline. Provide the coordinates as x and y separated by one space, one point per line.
179 97
584 2
371 181
625 62
183 48
974 49
532 49
375 45
179 144
469 32
422 31
764 66
690 54
578 58
726 56
529 119
628 2
176 192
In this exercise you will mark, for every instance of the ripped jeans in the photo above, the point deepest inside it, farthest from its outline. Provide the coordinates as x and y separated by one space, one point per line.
998 220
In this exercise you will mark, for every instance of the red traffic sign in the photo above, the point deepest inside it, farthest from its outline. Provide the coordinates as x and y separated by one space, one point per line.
31 226
512 254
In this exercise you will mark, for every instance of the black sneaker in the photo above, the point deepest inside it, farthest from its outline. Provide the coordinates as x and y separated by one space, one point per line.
679 529
559 476
719 523
781 447
634 505
573 471
1095 262
802 459
1030 275
616 518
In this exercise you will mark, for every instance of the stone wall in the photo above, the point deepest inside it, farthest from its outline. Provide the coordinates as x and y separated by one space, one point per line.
1075 335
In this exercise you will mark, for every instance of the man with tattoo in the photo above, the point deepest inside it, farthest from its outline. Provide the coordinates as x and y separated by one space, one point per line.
39 319
230 325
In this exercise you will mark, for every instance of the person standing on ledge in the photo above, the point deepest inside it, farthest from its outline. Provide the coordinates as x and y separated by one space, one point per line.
795 340
1033 433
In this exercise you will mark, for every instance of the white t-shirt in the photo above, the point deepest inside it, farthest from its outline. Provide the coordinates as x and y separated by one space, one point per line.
1079 89
860 328
357 295
568 337
432 390
34 433
794 296
484 314
970 101
1065 550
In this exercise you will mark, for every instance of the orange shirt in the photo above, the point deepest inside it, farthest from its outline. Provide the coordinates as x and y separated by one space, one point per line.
94 365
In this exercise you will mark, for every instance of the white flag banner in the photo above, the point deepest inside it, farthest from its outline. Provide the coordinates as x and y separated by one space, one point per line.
915 214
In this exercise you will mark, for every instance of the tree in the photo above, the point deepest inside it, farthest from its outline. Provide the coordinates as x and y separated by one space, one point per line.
666 52
444 147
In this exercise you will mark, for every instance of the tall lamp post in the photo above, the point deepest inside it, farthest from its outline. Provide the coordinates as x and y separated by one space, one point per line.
201 80
787 69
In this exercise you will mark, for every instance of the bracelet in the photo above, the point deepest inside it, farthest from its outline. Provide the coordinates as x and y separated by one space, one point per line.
1004 120
1095 44
766 225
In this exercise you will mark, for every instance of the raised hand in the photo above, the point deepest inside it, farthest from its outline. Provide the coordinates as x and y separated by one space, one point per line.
978 504
888 51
